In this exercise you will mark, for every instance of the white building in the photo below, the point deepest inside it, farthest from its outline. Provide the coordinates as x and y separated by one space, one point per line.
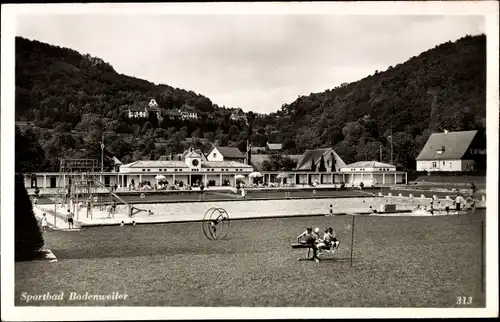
191 170
453 152
371 173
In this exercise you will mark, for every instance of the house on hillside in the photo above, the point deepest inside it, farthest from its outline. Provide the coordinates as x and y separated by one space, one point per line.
188 112
462 151
145 110
274 146
225 153
258 149
269 147
173 115
238 115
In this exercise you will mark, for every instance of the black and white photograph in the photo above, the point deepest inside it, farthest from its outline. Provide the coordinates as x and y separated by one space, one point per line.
249 160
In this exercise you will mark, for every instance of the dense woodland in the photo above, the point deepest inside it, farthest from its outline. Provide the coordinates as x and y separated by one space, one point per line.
73 100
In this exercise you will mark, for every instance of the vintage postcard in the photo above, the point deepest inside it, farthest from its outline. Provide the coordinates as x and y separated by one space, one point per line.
249 160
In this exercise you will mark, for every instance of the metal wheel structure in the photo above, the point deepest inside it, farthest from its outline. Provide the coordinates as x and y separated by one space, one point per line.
216 223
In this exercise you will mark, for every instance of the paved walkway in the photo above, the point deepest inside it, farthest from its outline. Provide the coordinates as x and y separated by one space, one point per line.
404 206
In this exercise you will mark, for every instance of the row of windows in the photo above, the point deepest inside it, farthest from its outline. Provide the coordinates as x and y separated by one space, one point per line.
435 164
384 169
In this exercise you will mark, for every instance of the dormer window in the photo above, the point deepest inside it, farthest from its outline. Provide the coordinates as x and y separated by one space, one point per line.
440 150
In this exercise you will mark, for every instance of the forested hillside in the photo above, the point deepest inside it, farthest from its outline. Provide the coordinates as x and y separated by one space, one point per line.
442 88
74 100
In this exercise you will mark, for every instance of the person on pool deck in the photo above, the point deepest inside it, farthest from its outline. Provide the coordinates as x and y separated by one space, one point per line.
331 210
45 222
69 218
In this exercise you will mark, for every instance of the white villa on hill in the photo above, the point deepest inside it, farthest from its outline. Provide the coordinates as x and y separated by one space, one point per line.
145 111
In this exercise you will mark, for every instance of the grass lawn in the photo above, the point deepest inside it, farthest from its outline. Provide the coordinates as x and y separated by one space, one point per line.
398 262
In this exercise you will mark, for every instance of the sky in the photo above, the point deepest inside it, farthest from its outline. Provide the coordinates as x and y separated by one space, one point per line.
254 62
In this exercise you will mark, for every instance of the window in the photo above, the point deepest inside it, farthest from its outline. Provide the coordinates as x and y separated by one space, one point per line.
149 169
444 163
143 169
215 155
160 169
180 169
175 169
434 164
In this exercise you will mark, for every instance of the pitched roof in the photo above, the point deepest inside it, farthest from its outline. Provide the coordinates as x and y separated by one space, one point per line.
197 153
369 164
274 146
309 155
155 163
455 145
224 164
181 164
116 161
229 152
136 109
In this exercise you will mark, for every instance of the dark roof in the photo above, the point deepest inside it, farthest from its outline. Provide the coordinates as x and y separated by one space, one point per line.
455 145
136 109
257 149
230 152
172 113
309 155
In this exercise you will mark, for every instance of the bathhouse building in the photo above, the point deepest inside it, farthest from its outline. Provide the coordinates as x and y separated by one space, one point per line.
314 163
371 173
193 169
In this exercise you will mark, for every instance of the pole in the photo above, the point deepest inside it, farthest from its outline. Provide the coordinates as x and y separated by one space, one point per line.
391 148
102 154
352 239
55 213
482 256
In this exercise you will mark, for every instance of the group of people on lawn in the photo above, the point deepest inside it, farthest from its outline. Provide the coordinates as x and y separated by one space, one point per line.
328 242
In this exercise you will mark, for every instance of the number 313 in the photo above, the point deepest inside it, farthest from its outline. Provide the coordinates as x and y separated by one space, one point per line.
464 300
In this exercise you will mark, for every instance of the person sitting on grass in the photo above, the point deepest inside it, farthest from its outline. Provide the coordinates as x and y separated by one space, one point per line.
334 240
306 237
324 243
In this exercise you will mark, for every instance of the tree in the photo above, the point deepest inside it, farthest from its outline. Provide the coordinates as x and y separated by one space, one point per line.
29 155
313 165
27 235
